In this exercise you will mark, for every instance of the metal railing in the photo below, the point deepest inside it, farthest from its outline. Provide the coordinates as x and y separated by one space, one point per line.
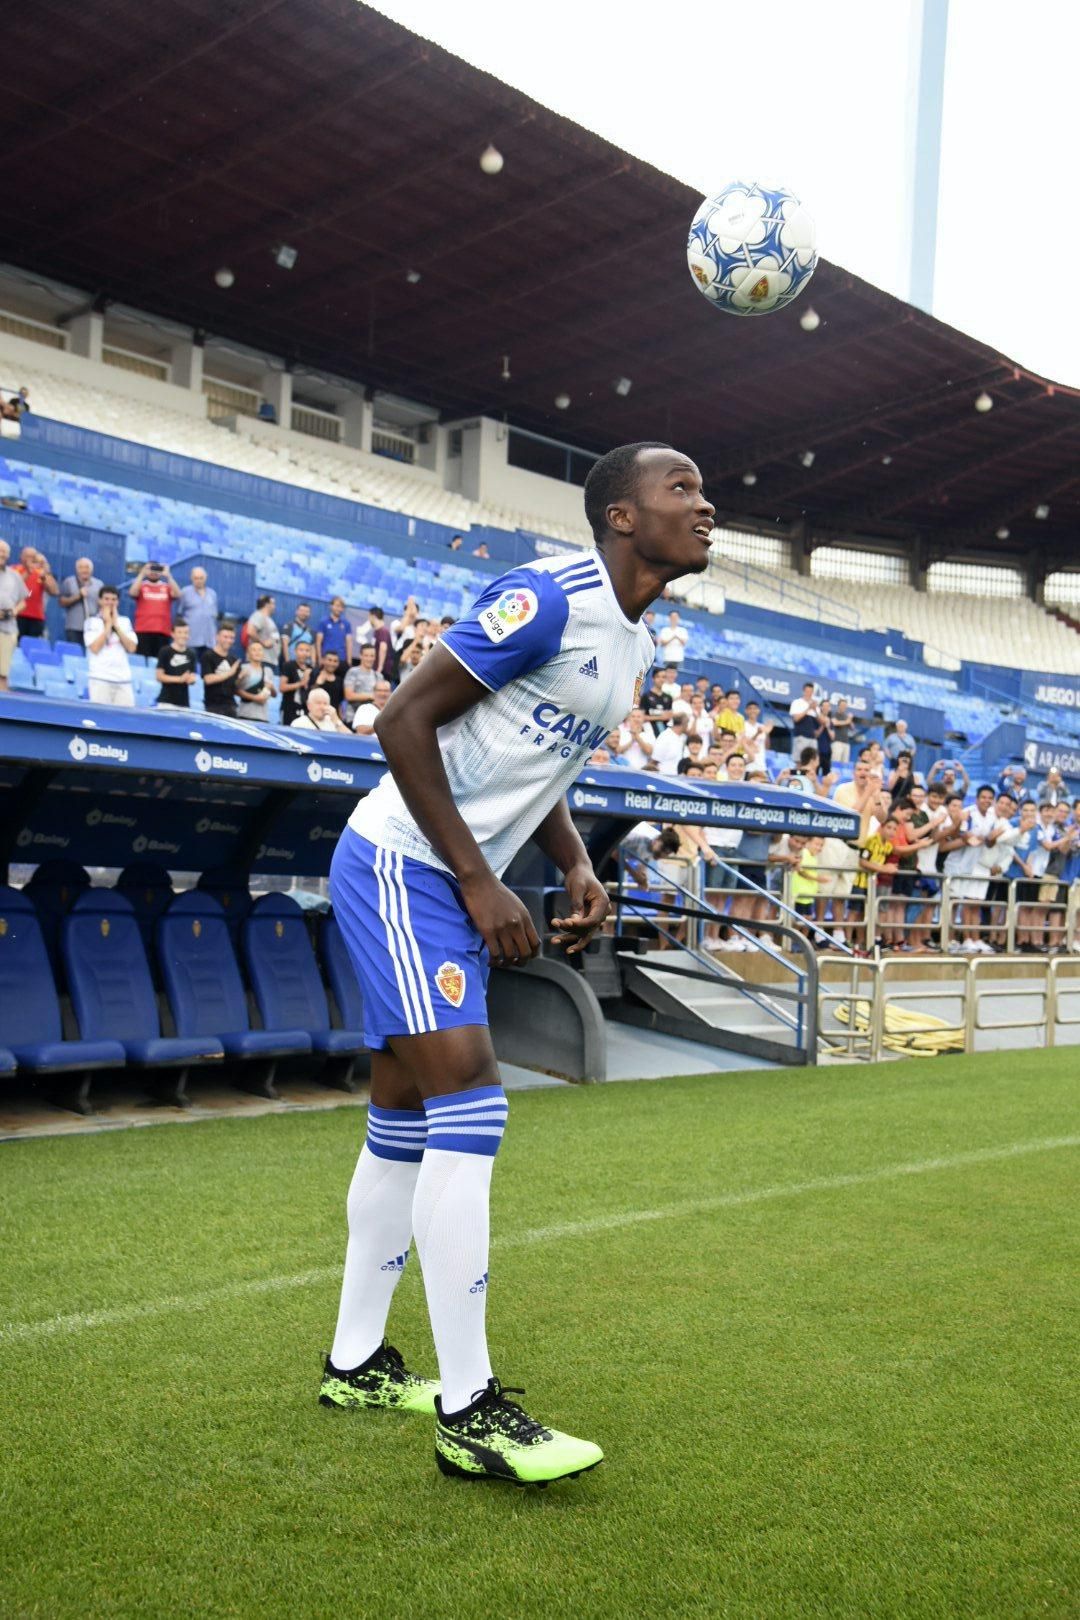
767 934
315 423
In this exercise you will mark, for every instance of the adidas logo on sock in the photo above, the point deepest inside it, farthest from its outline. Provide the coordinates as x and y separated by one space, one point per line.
397 1263
590 668
480 1286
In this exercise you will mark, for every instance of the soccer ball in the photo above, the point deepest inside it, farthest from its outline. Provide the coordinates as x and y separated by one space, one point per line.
751 248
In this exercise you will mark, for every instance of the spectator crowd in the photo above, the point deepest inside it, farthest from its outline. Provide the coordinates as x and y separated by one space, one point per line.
332 673
915 830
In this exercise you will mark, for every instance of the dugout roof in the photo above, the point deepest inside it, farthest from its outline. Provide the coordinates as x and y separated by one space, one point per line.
145 146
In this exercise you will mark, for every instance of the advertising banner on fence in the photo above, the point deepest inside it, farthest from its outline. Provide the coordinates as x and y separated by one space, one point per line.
781 686
1059 691
1044 756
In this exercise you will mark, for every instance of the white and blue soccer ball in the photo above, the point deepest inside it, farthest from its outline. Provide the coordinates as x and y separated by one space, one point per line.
752 248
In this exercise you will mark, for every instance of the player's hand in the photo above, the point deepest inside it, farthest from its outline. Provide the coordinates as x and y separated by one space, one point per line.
502 919
589 903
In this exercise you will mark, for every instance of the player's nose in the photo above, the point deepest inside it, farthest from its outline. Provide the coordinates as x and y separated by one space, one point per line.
706 508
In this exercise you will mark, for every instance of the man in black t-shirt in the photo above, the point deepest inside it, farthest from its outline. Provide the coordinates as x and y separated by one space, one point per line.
656 702
330 676
176 668
219 672
297 675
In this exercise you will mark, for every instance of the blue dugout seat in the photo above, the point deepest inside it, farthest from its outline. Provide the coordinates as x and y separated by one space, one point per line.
339 974
231 890
149 888
284 976
206 993
54 887
31 1029
112 992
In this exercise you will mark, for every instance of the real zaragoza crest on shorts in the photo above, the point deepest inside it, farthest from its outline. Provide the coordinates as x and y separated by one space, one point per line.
450 983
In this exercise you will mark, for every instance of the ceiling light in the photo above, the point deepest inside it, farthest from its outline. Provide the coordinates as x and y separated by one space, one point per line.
1042 511
807 458
505 373
983 402
412 277
491 159
810 320
285 256
224 277
1002 533
562 402
622 386
749 479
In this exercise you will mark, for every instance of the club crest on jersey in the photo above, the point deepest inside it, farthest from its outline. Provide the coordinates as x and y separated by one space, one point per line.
450 983
513 609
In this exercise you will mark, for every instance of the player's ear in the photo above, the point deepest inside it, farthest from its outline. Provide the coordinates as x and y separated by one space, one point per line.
620 517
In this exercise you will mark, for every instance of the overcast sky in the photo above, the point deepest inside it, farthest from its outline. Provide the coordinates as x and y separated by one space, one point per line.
818 94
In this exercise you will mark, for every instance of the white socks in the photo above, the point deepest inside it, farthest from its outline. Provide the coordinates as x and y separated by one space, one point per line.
428 1174
450 1221
380 1225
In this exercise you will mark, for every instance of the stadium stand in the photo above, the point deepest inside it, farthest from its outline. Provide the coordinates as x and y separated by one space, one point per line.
1013 632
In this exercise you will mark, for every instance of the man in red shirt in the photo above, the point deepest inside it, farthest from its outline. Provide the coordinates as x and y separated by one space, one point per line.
154 590
40 582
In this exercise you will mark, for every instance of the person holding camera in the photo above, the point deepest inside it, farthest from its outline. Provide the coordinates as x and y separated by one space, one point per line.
109 639
12 597
40 582
155 591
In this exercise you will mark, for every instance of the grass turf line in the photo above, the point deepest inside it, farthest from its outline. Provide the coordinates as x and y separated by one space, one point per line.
853 1401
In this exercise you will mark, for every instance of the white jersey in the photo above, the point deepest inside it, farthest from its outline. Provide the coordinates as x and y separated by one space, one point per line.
563 666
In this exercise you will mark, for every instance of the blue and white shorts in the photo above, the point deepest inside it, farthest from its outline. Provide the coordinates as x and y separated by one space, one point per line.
420 960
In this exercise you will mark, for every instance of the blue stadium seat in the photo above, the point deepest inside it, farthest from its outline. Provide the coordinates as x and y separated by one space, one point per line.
30 1024
149 888
339 973
284 976
54 887
230 888
112 992
205 991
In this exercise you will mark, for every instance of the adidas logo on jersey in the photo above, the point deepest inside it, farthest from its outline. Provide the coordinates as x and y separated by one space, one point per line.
590 668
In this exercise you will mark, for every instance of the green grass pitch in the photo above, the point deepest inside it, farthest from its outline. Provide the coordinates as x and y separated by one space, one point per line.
817 1319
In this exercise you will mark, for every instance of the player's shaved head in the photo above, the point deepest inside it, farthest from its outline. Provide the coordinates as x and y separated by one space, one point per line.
614 478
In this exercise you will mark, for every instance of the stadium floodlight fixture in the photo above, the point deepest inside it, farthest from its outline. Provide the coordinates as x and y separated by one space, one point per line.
807 458
285 256
505 373
562 402
810 320
749 479
1002 533
412 277
1042 511
983 402
224 277
622 386
491 159
886 461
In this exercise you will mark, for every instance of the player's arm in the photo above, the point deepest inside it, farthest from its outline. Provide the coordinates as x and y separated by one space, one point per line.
589 904
439 691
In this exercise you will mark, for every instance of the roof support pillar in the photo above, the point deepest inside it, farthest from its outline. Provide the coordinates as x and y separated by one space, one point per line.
187 364
357 416
801 549
87 334
917 564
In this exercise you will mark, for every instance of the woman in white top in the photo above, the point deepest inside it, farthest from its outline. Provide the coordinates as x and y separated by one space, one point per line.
108 638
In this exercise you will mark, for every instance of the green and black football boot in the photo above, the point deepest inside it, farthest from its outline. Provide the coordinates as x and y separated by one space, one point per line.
494 1438
382 1381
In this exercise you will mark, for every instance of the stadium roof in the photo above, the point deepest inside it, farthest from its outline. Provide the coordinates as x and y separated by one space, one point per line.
146 146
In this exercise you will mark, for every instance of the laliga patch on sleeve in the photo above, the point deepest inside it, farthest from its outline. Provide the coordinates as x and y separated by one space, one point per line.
513 609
